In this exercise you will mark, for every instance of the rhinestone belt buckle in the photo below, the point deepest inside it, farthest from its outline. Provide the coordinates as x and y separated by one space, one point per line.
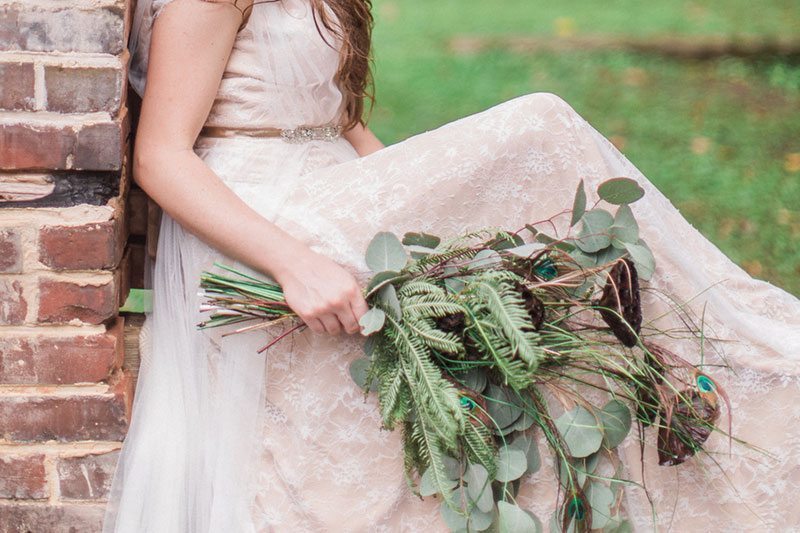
304 134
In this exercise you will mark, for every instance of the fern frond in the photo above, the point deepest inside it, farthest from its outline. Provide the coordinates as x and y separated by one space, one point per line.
436 398
392 382
437 339
479 444
418 286
507 310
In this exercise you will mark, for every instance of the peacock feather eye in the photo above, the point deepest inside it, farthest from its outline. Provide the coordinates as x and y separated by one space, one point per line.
575 509
467 403
546 269
705 384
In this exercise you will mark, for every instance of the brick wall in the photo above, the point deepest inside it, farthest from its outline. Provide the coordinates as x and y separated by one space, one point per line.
69 239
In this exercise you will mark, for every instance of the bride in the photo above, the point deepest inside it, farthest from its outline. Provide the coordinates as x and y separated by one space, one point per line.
251 140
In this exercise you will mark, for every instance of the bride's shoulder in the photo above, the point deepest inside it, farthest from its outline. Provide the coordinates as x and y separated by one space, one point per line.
245 7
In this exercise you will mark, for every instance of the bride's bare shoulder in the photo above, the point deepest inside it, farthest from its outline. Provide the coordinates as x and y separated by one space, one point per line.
244 6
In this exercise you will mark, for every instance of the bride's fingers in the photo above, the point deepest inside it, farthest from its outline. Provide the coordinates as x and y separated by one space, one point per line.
348 319
332 324
315 325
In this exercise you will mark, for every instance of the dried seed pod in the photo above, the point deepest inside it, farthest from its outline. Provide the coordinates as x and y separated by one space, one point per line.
621 294
454 323
532 304
686 426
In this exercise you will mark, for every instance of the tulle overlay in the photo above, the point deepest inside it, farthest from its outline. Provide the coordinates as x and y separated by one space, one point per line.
223 439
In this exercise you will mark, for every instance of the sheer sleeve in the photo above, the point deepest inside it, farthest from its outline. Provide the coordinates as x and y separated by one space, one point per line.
139 43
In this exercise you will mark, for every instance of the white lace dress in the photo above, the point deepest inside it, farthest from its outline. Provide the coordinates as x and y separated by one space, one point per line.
225 440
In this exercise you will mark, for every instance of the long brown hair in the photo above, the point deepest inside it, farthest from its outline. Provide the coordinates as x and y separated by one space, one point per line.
354 29
354 76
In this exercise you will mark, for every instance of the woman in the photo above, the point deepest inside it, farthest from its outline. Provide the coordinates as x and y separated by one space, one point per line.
223 439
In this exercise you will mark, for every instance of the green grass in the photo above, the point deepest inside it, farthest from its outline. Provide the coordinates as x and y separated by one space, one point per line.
742 118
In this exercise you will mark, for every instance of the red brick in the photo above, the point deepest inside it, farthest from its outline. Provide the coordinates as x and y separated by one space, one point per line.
13 306
94 246
34 146
86 478
82 89
70 418
62 28
100 146
23 477
40 360
16 91
10 252
40 518
62 301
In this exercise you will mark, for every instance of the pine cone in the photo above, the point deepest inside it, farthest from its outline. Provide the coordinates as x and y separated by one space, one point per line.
621 293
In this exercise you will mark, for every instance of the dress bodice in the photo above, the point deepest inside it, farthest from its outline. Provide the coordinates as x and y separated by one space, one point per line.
281 71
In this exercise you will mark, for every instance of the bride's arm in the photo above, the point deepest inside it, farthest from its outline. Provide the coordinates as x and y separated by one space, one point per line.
190 46
363 140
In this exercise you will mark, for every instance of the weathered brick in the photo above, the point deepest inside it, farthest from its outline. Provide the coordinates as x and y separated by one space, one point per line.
94 246
100 146
82 89
62 28
43 360
23 477
137 211
35 146
10 251
16 90
13 305
86 478
67 418
39 518
62 301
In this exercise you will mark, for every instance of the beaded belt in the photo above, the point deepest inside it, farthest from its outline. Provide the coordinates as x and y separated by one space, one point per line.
294 135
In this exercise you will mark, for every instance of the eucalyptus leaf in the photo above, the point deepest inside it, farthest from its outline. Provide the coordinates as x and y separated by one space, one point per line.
513 519
579 429
527 445
625 228
594 235
474 379
455 284
600 499
503 242
619 191
425 240
479 487
387 297
484 259
386 252
369 346
418 252
372 321
455 520
452 467
511 464
480 520
358 371
608 255
380 278
428 487
616 419
578 204
643 258
501 405
527 250
523 422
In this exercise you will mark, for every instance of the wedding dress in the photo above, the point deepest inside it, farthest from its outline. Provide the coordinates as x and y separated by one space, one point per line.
225 440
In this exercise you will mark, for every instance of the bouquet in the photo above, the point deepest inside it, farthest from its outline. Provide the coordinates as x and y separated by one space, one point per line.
481 346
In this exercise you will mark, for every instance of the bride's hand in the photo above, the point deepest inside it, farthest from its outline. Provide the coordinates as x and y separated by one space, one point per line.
322 293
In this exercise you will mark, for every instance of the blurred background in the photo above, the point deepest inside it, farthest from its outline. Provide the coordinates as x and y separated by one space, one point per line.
703 96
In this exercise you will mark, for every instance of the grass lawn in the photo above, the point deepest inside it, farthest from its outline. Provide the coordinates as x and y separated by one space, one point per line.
720 138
